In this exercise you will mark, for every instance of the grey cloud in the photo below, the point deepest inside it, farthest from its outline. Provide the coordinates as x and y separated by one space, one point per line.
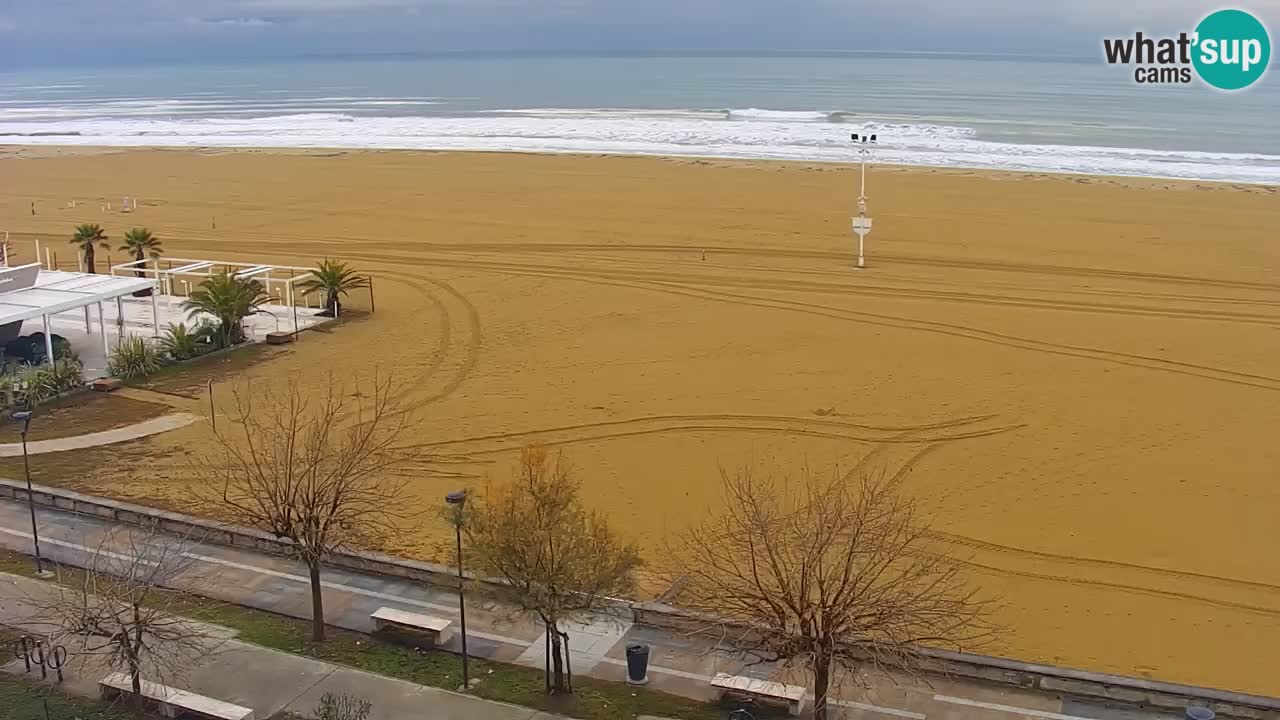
233 22
45 29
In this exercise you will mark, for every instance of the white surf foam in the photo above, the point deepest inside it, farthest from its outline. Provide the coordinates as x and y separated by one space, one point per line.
779 115
698 133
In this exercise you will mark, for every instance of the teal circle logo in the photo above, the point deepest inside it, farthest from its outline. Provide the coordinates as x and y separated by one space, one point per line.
1232 49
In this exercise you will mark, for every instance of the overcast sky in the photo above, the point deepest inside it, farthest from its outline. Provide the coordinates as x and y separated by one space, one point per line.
34 32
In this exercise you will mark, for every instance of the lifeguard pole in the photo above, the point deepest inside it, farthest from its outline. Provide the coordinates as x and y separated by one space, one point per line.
862 223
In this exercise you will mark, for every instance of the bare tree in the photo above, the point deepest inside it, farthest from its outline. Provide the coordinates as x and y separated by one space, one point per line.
127 608
560 560
322 473
825 573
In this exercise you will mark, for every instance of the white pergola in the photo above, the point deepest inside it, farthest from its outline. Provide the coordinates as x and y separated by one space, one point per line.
55 291
283 277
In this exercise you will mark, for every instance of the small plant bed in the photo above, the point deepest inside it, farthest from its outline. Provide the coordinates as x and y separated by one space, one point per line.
83 413
136 357
593 699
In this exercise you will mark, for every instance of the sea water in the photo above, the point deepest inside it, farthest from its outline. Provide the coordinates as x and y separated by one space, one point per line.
1010 113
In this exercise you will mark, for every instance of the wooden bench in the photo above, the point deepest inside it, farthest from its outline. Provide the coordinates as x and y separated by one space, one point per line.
423 629
171 702
792 696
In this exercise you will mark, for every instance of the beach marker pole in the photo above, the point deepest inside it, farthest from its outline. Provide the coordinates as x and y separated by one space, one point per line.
47 262
862 223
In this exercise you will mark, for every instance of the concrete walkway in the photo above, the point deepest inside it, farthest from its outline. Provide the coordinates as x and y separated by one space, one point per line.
256 677
679 664
153 426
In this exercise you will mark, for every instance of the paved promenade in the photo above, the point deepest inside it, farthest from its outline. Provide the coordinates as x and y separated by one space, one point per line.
679 664
154 426
265 680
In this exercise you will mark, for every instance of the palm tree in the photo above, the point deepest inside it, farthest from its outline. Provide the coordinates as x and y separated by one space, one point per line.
140 242
229 299
88 238
335 280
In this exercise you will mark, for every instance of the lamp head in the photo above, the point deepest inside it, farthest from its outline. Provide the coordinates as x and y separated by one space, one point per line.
456 497
22 416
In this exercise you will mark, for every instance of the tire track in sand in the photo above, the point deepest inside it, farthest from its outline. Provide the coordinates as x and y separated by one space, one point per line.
423 378
307 245
964 428
1259 607
471 346
706 281
884 320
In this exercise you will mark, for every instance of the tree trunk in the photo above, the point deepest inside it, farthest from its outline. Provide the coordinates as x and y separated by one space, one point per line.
89 264
568 664
317 603
135 647
546 655
821 685
135 675
557 660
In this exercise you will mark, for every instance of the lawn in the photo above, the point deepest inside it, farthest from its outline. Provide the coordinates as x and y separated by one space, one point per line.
592 699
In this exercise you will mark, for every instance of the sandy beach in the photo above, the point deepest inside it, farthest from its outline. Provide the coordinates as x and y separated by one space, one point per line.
1077 375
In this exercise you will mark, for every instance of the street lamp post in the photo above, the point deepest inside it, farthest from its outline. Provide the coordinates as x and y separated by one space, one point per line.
458 499
862 223
24 417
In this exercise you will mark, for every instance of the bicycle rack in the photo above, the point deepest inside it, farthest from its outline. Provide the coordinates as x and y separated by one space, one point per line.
34 651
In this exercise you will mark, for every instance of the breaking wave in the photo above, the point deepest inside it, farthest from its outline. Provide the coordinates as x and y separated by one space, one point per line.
748 133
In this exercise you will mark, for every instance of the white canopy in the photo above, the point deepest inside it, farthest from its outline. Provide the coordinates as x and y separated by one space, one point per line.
54 291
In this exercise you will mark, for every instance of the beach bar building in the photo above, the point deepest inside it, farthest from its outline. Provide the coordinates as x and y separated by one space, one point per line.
29 292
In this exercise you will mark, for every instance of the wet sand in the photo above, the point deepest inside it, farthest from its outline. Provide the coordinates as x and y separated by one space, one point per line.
1076 374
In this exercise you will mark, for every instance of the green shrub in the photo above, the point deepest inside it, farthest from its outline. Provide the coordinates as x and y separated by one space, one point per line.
182 343
65 373
134 357
35 384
